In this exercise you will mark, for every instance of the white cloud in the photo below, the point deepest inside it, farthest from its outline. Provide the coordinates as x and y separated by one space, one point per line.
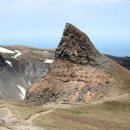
51 4
44 2
87 2
106 1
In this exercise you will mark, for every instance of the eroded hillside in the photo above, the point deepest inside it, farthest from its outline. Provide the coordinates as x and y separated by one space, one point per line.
80 73
20 67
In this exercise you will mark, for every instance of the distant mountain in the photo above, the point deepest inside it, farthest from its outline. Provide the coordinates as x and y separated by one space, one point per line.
20 67
80 73
124 61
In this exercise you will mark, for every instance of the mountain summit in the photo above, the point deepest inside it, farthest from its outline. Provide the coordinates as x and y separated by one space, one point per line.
76 47
79 74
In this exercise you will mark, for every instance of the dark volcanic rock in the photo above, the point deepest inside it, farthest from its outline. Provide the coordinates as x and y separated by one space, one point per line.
2 61
43 96
76 47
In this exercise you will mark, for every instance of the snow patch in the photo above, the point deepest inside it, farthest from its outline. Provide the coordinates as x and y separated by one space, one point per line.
9 63
46 51
18 54
23 92
48 61
4 50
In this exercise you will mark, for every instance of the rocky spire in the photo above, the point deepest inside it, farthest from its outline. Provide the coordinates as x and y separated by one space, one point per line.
94 78
76 47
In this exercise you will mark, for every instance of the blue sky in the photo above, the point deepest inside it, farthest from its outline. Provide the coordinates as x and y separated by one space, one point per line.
40 23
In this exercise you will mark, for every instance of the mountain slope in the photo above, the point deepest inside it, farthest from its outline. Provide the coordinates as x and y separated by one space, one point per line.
124 61
19 68
80 73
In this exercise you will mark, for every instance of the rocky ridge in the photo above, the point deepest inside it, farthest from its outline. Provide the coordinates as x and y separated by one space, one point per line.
76 47
80 73
19 69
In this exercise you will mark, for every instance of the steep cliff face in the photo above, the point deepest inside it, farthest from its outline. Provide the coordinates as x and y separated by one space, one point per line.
19 69
80 73
2 61
76 47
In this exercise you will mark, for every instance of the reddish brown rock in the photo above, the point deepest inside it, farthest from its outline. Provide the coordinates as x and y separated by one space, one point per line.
79 74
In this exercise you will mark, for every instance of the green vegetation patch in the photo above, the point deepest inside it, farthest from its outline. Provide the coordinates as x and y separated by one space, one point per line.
116 106
73 111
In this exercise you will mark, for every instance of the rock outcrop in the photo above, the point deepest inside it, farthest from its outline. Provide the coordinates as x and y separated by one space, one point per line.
79 74
2 61
76 47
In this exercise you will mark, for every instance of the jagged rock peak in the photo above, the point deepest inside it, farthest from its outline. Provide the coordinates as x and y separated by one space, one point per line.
76 47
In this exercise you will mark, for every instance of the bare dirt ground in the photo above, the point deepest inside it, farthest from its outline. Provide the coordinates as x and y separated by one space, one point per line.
112 114
9 121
